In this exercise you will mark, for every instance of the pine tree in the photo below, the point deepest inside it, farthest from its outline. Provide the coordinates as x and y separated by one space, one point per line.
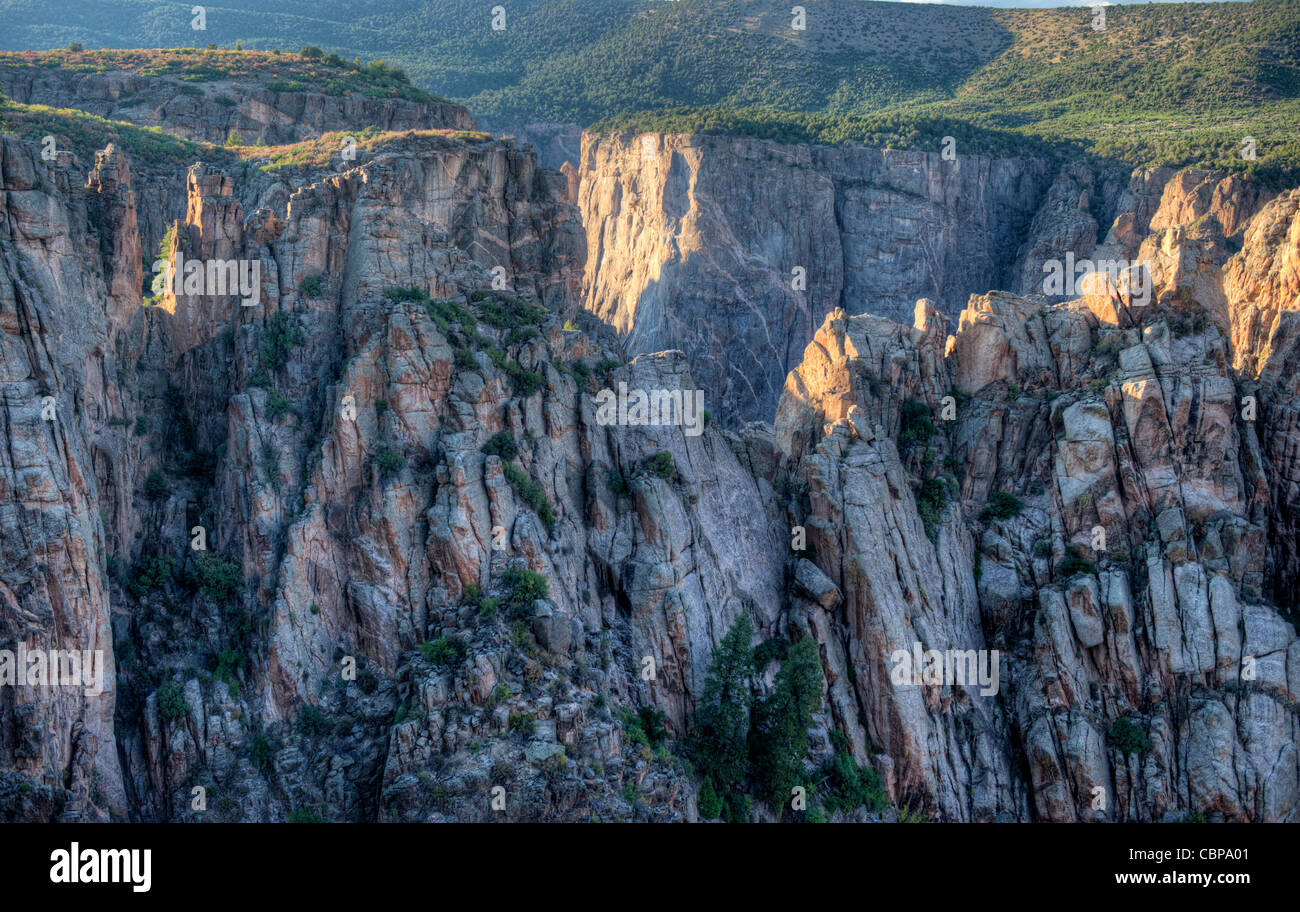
709 803
780 733
722 718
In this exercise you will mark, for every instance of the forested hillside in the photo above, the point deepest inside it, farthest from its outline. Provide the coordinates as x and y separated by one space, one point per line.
1179 84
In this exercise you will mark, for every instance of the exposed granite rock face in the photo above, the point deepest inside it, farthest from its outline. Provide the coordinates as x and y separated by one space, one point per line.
328 441
1137 589
944 750
1262 283
556 144
1127 591
1262 287
1136 462
1080 487
56 369
211 111
694 241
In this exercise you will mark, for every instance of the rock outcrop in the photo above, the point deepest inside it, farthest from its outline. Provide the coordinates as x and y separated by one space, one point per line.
734 250
213 110
367 547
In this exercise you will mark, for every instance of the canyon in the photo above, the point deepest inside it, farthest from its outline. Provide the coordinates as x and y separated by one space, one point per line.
431 571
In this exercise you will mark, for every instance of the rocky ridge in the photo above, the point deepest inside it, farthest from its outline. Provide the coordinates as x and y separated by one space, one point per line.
214 110
341 444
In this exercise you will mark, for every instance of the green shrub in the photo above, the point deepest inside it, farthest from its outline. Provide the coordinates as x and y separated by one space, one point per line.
962 399
156 486
617 484
465 359
309 287
769 651
1107 350
520 723
473 595
662 465
652 723
521 638
525 587
1002 505
1188 324
873 382
915 423
1129 737
314 722
531 493
229 663
708 802
633 733
219 578
506 312
523 382
259 752
171 701
141 426
445 313
404 712
930 503
521 334
502 444
152 574
277 341
645 727
277 405
444 651
305 815
1074 562
847 786
389 461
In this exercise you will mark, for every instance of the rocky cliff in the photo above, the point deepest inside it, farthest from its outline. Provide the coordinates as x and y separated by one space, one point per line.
368 549
222 106
335 648
734 250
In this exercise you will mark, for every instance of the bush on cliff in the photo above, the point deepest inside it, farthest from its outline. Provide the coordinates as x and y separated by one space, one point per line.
1002 505
217 577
